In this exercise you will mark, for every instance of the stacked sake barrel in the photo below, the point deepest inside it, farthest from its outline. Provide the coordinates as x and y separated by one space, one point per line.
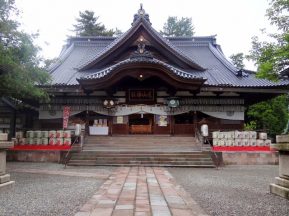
52 137
59 137
240 138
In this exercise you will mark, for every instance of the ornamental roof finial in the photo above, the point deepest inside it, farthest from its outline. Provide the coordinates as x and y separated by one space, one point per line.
141 14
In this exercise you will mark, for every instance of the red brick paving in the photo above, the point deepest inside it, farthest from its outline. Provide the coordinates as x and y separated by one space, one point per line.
141 191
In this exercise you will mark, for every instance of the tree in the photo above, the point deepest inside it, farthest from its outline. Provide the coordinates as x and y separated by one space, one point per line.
238 60
269 115
87 25
273 57
20 72
175 27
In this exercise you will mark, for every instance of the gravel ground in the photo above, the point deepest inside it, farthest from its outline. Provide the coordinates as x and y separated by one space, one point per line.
234 190
47 195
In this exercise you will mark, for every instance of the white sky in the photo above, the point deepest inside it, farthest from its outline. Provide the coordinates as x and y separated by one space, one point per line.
233 21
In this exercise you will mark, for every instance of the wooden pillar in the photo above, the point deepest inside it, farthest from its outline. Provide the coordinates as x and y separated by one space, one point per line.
172 125
12 124
195 121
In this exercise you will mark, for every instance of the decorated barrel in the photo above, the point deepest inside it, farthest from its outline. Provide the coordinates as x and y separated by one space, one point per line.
59 133
52 141
44 134
44 141
59 141
263 136
19 134
37 134
67 141
215 134
246 134
238 135
29 134
30 141
245 142
238 142
252 134
215 142
221 142
37 141
67 134
260 142
252 142
267 142
22 141
52 134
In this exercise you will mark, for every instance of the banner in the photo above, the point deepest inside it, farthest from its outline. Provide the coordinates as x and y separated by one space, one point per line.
66 113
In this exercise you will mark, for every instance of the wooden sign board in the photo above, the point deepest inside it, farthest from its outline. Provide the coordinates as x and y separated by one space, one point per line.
139 95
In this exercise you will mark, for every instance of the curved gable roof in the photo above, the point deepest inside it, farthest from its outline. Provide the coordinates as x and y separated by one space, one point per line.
140 23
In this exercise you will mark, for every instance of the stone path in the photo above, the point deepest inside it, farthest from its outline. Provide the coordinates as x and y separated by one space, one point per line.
140 191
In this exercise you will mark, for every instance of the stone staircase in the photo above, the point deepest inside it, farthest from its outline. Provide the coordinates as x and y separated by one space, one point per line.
144 150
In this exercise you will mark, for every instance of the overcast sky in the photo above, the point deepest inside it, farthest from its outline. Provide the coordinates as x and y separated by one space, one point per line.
233 21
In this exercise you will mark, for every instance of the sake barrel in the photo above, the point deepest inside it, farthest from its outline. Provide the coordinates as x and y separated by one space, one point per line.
30 141
260 142
67 134
37 141
263 136
52 134
22 141
267 142
215 134
52 141
44 141
19 134
59 141
221 142
238 142
29 134
59 134
238 135
252 142
245 142
230 142
246 134
67 141
44 134
252 134
37 134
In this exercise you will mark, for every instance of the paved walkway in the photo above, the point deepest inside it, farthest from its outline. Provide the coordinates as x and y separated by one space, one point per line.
140 191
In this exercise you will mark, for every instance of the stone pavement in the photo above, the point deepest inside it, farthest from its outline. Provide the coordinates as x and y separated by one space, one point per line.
140 191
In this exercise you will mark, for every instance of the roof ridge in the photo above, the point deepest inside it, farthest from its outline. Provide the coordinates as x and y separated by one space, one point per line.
225 61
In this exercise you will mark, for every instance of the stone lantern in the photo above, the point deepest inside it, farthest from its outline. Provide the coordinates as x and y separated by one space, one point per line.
281 187
4 145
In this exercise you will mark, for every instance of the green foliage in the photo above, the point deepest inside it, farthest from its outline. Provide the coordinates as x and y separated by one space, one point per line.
175 27
273 57
270 115
250 126
87 26
19 62
238 60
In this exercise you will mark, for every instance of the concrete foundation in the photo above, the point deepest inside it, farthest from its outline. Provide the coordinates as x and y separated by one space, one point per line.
281 186
250 158
35 156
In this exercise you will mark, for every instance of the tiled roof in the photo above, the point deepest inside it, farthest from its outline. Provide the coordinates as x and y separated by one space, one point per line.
203 51
184 74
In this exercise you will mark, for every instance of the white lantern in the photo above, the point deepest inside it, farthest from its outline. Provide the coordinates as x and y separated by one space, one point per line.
205 130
